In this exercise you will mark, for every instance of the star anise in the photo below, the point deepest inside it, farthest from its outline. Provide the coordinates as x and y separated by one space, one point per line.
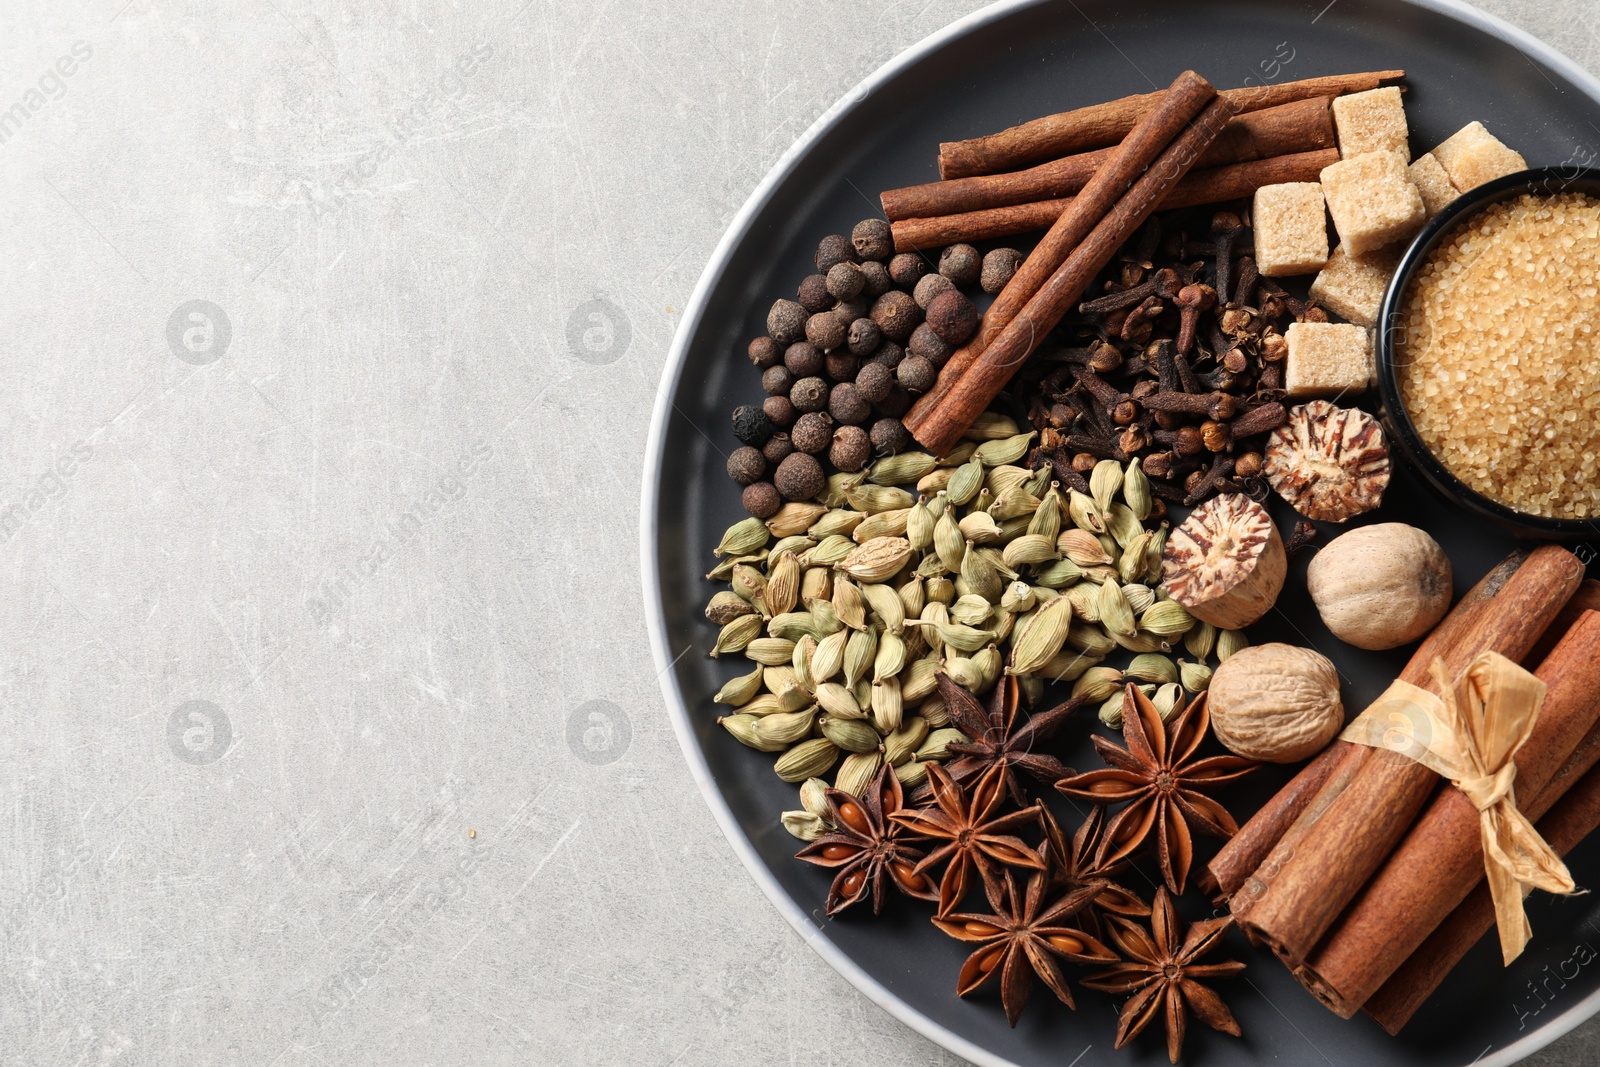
975 835
1002 735
1164 787
865 847
1025 936
1073 865
1162 973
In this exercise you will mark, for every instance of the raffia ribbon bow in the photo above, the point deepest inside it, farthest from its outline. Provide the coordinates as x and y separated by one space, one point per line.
1470 734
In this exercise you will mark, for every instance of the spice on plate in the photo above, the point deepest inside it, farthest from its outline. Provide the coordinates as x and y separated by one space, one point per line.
1497 370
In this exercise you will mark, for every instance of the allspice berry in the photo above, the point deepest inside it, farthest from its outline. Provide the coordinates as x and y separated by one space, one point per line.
803 359
953 317
875 277
846 406
853 309
777 446
931 286
961 264
776 381
814 295
764 352
751 425
827 331
999 267
873 382
896 404
889 354
917 373
746 465
812 432
762 500
873 239
809 394
832 249
907 269
800 477
841 365
851 448
780 409
929 345
890 435
864 337
845 281
896 315
786 322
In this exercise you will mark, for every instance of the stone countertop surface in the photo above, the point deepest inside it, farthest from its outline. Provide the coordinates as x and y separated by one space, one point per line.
333 330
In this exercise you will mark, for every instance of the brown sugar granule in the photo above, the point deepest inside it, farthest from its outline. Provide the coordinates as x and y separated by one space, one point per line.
1499 370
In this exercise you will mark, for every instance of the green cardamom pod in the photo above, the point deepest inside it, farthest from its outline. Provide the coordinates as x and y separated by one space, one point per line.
1084 513
839 521
808 759
839 484
1041 480
1152 667
1100 575
1090 637
1030 549
919 681
1166 618
1136 491
919 525
770 651
857 772
1141 598
828 621
1082 548
1058 575
1111 710
971 610
888 705
828 660
830 551
838 701
875 498
1067 666
722 571
851 735
991 426
1000 480
848 604
959 453
980 528
859 652
993 453
1141 642
743 729
1154 552
785 728
982 501
883 524
877 560
1085 600
935 480
764 704
913 595
779 678
937 747
1011 529
726 606
749 584
890 658
743 537
989 664
964 672
1046 519
740 690
1200 641
1168 699
863 694
816 583
931 567
805 651
794 624
1097 683
959 637
814 798
1041 636
1105 482
980 574
1122 524
799 544
885 603
902 743
1018 597
1196 677
1115 613
1229 642
737 635
911 774
1004 622
803 825
902 468
1014 503
942 590
933 709
794 517
936 615
964 483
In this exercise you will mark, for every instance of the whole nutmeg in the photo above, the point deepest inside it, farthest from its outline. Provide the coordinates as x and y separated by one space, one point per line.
786 322
803 359
897 403
931 286
832 249
953 317
777 381
800 477
906 268
1380 586
761 499
961 264
896 314
780 409
842 366
873 239
875 277
889 354
925 342
751 425
846 405
746 465
809 394
890 435
999 267
864 337
777 446
851 448
873 382
845 281
813 294
827 331
764 352
917 373
1278 703
812 432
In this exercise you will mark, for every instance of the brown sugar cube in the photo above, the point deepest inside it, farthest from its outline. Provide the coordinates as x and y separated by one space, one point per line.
1352 287
1327 359
1372 201
1474 156
1373 121
1433 183
1291 229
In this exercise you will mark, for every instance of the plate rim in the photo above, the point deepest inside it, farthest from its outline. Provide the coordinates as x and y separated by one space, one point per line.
661 414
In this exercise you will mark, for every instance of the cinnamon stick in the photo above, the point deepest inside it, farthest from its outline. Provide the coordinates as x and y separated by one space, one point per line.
1587 598
1566 811
1363 820
1215 185
1188 94
1247 850
1299 126
1441 859
1099 125
971 394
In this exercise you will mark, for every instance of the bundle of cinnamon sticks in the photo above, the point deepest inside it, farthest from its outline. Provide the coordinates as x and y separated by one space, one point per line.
1090 178
1365 874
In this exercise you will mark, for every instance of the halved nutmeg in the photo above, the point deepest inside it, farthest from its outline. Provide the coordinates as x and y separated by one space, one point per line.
1329 463
1226 563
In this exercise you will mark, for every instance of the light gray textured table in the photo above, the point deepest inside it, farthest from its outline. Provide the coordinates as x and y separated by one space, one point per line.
332 332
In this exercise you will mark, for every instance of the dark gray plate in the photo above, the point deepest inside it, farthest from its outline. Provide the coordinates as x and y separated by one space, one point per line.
1006 64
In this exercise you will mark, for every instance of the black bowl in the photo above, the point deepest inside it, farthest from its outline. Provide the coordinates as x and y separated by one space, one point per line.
1397 421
